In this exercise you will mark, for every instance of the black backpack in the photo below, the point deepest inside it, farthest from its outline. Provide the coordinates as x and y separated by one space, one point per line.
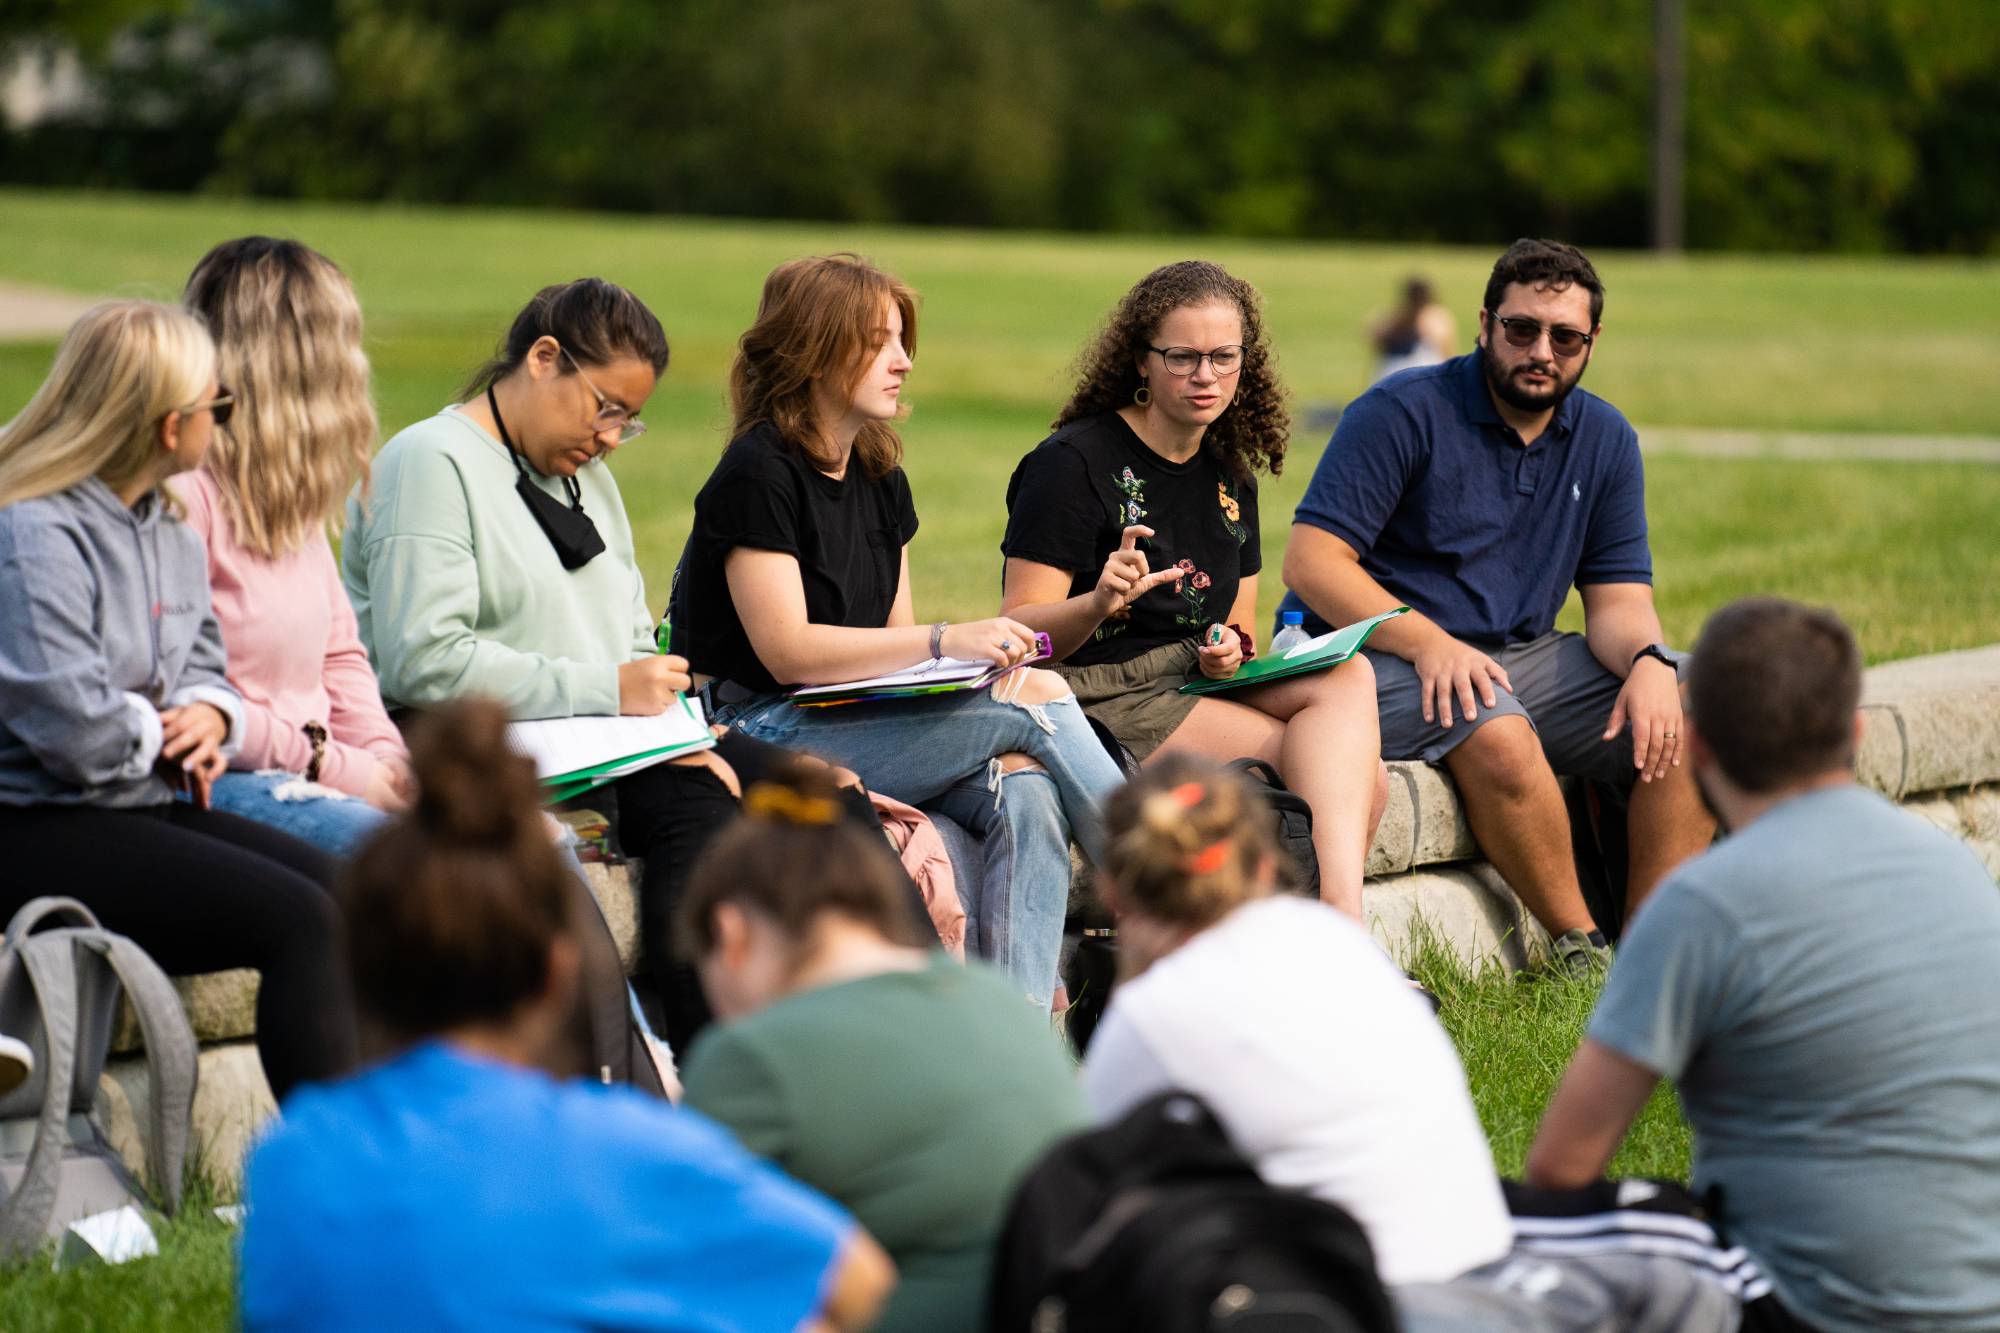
1294 822
1158 1225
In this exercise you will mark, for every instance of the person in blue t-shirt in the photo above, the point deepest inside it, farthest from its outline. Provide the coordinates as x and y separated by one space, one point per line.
457 1185
1479 492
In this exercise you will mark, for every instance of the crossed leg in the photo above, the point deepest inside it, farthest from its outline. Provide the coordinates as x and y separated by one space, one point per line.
1322 735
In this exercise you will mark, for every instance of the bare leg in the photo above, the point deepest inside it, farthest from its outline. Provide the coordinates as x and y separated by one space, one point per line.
1321 733
1517 815
1667 823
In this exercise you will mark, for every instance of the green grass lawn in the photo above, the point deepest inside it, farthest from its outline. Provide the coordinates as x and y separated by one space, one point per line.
1905 550
1822 344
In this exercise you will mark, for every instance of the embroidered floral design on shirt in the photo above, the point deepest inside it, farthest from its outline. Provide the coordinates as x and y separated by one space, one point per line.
1232 513
1134 491
1194 591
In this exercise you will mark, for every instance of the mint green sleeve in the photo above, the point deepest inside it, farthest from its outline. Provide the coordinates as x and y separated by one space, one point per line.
423 591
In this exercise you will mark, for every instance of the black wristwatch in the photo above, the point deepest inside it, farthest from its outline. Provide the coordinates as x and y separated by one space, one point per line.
1657 651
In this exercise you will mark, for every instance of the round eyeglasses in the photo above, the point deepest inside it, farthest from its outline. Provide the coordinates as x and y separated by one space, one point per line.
609 415
1223 361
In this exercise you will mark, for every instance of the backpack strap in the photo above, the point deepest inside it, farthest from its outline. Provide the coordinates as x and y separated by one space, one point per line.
172 1066
37 910
50 961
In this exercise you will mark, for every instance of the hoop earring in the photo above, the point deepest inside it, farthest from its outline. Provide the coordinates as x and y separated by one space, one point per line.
1142 395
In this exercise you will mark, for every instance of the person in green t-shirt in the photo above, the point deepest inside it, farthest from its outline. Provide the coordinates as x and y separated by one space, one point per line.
913 1090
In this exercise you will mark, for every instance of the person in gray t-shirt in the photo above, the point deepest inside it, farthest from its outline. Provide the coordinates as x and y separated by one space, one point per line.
1824 986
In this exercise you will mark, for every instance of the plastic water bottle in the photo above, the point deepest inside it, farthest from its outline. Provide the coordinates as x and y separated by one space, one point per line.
1291 633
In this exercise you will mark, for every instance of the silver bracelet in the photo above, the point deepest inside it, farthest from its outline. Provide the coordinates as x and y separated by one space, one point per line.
937 638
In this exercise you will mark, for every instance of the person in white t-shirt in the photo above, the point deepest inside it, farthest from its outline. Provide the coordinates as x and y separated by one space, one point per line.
1327 1070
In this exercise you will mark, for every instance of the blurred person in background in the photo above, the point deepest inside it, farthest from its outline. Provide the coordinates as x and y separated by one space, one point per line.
320 758
461 1184
1418 332
1132 540
913 1089
116 716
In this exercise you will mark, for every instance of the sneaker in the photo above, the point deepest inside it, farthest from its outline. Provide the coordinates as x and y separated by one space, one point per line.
17 1061
1582 953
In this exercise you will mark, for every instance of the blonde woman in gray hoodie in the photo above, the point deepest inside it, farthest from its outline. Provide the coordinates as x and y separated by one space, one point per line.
115 714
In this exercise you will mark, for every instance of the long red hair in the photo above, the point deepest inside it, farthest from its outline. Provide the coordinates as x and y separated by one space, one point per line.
818 322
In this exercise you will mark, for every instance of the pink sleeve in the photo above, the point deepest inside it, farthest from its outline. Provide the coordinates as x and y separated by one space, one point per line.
270 742
360 724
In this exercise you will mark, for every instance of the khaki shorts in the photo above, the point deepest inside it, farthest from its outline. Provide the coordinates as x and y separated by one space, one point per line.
1139 700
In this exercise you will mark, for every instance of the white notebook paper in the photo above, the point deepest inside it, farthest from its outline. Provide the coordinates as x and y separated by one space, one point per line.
562 746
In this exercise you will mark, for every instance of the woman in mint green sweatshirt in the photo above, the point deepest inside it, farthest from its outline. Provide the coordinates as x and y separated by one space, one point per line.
492 556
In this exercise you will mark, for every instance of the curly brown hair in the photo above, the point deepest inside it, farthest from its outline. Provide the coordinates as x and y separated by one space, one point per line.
1252 431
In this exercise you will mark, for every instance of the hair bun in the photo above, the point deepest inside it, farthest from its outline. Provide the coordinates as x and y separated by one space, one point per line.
472 786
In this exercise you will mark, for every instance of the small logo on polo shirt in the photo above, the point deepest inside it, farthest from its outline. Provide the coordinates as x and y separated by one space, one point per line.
1575 491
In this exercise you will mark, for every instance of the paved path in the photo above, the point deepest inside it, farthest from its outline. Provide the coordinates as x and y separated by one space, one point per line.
1820 447
38 313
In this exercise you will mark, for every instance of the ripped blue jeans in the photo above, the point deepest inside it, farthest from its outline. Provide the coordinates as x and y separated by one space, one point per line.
937 751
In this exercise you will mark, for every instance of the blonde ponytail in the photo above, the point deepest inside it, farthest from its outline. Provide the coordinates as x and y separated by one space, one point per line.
1189 842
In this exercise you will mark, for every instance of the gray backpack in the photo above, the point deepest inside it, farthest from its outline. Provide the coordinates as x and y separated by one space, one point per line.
59 991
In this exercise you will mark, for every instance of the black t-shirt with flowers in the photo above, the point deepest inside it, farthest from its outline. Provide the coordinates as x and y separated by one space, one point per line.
1071 499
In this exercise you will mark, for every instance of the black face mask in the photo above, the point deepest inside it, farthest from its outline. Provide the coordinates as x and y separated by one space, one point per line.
568 528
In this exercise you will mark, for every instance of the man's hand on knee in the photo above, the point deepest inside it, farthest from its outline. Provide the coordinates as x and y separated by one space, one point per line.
1449 670
1651 705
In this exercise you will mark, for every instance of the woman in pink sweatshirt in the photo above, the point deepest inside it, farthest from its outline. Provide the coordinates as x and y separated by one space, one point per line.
320 757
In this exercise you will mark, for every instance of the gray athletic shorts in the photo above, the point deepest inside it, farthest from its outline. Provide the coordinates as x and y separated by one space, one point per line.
1563 691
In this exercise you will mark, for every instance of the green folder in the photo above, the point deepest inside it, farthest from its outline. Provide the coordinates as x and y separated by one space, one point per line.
1325 652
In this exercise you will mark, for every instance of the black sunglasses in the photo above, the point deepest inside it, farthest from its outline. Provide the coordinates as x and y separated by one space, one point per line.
222 405
1563 340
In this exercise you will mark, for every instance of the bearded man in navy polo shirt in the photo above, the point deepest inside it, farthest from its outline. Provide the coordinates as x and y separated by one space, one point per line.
1479 492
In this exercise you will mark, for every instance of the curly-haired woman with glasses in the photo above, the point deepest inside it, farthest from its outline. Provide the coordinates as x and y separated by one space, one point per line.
1132 541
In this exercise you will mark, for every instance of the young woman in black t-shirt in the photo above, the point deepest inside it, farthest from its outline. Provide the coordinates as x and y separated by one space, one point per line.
1132 541
797 572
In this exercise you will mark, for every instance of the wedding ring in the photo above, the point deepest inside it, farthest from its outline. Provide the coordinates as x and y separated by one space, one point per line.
1006 645
1669 735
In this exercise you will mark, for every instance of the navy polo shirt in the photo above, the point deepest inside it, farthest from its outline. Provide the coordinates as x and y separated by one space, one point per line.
1453 516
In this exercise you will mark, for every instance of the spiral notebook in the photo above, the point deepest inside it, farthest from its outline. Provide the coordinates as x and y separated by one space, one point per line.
939 675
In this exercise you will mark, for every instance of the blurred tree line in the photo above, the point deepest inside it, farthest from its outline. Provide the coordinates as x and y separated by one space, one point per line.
1811 124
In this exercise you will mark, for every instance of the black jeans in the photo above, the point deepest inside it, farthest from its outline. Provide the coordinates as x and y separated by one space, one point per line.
202 891
667 814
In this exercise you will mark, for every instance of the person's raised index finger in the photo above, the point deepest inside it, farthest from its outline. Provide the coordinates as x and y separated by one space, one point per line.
1129 539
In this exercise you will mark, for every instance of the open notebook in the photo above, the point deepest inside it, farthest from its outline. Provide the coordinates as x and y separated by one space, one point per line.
574 754
940 675
1327 651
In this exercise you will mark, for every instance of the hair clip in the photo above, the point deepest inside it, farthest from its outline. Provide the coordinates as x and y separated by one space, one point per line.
1188 795
1208 860
773 800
